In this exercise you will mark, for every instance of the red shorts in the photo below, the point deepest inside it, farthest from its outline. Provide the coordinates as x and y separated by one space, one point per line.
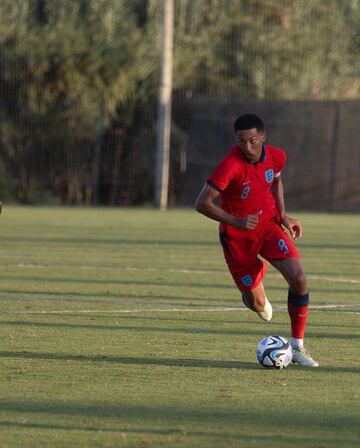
241 252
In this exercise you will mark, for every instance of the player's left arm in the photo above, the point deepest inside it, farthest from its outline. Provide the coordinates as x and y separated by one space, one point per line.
292 224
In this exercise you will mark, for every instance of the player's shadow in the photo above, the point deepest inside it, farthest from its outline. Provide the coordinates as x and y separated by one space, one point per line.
128 360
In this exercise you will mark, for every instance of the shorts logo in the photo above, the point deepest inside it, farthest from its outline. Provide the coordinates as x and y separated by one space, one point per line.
269 175
247 280
245 192
283 247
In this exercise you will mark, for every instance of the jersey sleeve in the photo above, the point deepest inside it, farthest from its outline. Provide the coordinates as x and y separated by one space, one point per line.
222 175
279 162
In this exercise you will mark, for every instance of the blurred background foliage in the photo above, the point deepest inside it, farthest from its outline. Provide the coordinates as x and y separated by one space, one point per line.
79 82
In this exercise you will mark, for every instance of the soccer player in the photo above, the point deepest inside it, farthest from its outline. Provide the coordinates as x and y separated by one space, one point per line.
252 219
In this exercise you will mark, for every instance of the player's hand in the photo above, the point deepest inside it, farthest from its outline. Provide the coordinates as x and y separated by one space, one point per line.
293 226
249 222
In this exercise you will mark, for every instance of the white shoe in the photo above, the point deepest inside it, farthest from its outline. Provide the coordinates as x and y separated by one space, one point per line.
302 357
266 313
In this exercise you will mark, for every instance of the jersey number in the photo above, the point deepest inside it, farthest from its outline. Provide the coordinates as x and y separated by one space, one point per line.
245 193
283 247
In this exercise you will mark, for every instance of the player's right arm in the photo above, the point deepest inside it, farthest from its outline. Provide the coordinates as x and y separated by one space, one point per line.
205 204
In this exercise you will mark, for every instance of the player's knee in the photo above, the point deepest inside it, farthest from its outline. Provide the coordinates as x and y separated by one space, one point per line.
298 282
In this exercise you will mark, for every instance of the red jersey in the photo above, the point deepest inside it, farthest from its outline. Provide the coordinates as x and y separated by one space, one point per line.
245 187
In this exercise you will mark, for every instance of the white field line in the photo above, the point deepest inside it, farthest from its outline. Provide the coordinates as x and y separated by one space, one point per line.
316 308
334 279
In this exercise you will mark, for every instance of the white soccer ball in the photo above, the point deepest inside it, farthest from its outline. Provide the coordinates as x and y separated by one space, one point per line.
274 352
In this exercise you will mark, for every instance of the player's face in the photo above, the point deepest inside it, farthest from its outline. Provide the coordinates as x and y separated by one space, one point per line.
250 142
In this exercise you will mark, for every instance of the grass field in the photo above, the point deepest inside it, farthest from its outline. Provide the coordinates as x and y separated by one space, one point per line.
122 328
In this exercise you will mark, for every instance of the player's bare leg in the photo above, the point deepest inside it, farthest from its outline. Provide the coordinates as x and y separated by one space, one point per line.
298 304
293 271
256 300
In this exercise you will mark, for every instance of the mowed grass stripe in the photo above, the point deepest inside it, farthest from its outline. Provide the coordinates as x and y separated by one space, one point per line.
158 377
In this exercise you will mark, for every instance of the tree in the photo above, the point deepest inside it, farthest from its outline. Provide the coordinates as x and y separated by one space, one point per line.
79 81
62 64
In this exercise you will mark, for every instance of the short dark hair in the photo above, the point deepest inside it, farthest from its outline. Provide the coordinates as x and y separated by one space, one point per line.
248 121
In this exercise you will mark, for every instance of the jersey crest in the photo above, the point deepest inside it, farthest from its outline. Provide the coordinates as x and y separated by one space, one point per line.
269 175
247 280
